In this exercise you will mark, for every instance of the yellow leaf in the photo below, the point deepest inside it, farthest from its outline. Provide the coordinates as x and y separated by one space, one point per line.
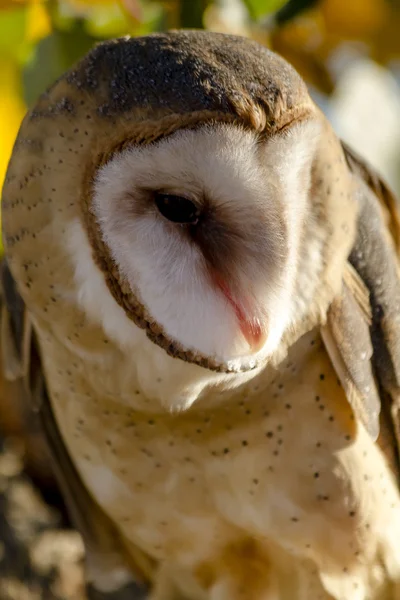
354 18
12 111
38 21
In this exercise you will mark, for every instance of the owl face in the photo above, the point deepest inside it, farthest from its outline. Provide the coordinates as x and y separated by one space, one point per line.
205 227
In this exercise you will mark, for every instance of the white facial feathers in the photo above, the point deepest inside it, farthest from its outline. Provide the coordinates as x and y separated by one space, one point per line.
221 287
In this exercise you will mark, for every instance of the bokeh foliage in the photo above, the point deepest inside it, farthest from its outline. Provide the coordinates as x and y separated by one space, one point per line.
39 39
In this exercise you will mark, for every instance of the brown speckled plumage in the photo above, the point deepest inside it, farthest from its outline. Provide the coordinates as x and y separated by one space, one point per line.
275 490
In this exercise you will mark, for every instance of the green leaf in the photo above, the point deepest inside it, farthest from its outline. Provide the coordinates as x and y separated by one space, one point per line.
13 24
106 21
53 56
191 13
261 8
151 19
292 9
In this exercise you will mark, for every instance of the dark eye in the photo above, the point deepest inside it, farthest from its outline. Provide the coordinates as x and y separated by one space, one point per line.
176 208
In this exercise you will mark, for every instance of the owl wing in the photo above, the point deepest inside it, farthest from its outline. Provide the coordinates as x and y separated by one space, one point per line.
23 381
362 332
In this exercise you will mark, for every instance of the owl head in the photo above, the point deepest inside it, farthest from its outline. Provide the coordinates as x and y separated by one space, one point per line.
193 160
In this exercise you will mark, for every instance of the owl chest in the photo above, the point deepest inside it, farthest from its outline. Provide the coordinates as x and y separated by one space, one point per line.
278 464
282 465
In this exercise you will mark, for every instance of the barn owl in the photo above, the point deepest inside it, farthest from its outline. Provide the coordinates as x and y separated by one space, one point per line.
202 295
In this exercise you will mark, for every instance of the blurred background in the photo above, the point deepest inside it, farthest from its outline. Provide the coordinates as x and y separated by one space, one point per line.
348 51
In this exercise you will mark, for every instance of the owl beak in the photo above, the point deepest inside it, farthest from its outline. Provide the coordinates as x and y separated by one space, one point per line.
254 334
252 330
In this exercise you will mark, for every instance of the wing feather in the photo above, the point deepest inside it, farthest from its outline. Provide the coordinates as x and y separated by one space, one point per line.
362 333
347 340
